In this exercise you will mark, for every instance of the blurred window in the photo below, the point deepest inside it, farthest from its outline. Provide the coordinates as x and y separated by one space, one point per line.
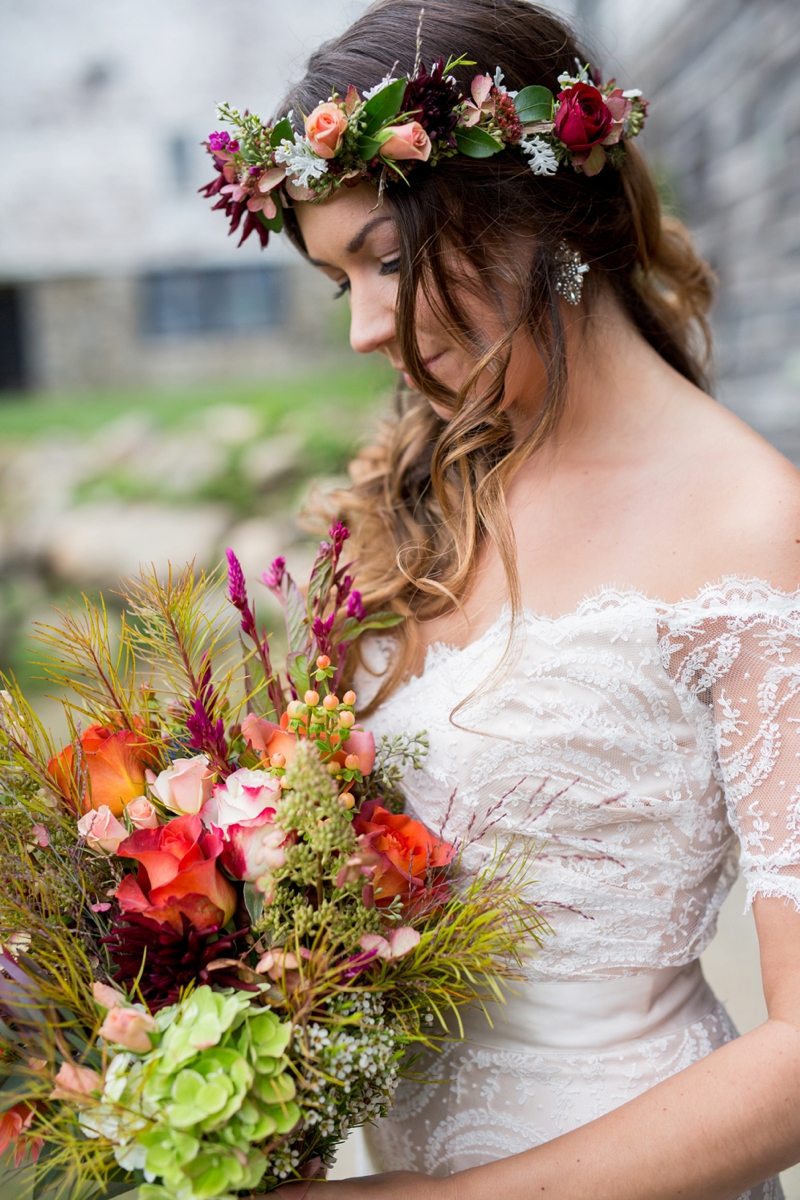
240 300
12 372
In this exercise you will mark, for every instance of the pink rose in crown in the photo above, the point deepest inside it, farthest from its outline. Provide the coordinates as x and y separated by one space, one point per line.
241 813
620 108
325 128
406 142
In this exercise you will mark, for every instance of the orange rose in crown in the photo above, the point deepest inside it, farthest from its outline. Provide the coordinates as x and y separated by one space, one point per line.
407 851
114 761
178 876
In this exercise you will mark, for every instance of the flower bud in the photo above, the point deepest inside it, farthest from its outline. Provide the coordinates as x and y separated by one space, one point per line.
351 762
330 702
323 662
346 719
311 698
349 698
277 760
129 1028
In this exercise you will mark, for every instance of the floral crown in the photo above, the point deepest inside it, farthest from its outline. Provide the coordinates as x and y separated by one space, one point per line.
419 118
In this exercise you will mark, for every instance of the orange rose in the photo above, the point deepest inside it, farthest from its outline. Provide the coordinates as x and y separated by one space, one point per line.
267 738
407 851
114 761
178 876
325 129
407 141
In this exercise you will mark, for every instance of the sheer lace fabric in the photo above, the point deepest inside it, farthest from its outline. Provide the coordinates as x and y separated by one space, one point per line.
645 747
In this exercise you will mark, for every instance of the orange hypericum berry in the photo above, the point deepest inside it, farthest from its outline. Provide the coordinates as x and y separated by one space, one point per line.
349 698
346 719
311 698
347 800
294 708
323 661
333 768
330 702
351 762
277 760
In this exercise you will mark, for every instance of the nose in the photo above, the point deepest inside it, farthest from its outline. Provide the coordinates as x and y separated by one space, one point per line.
371 321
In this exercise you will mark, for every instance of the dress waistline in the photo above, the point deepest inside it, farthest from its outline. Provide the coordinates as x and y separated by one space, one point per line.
592 1015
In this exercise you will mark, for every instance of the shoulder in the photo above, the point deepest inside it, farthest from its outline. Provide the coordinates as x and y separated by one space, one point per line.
745 501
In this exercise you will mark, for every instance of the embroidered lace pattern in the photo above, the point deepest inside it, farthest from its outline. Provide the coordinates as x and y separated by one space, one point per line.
646 747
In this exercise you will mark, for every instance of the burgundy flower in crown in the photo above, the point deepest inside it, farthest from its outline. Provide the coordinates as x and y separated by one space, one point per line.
404 124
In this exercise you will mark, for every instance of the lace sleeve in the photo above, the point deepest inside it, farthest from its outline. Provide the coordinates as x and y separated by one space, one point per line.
740 672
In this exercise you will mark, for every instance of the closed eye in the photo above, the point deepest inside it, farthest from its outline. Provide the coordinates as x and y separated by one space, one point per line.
390 268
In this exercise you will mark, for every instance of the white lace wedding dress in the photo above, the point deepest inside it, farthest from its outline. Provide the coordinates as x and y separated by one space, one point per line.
643 744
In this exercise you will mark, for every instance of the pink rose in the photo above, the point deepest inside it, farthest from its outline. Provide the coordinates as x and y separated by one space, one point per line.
128 1027
325 128
362 744
72 1081
242 813
185 786
108 996
244 796
401 942
407 141
102 830
620 108
141 814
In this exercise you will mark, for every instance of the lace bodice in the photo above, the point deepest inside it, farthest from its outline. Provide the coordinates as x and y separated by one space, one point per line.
638 742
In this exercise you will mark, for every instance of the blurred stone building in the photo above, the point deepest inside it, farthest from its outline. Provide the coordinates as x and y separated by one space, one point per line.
113 271
724 129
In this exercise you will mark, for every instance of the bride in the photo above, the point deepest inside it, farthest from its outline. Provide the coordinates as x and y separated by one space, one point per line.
599 565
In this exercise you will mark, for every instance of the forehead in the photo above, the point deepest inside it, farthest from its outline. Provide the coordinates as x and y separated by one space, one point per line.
335 225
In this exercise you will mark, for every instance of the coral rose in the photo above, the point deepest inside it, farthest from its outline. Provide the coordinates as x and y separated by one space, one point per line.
407 851
14 1124
184 786
267 738
128 1027
178 876
325 128
102 830
114 761
407 141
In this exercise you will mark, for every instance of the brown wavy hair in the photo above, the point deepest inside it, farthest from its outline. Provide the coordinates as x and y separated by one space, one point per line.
429 492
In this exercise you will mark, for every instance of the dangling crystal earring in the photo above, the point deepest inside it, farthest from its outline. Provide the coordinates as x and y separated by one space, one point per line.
571 270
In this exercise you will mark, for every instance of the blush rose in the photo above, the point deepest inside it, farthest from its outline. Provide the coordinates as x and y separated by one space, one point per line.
102 830
406 142
184 786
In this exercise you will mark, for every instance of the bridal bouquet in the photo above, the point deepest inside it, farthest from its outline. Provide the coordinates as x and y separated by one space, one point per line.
220 933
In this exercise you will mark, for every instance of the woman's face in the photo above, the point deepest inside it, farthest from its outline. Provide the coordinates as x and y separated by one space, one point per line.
356 245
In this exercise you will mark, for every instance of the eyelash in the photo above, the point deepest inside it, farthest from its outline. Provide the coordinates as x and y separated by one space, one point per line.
387 268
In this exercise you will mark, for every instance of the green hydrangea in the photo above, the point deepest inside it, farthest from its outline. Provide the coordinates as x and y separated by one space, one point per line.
215 1088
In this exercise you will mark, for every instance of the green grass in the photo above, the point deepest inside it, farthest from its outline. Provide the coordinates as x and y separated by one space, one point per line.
303 403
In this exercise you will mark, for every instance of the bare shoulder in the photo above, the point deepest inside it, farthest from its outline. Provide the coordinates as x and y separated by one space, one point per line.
746 501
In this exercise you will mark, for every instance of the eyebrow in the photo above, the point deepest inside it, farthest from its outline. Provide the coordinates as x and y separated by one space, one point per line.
356 243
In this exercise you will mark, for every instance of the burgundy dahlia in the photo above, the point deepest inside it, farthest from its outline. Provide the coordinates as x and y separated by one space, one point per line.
432 100
171 960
